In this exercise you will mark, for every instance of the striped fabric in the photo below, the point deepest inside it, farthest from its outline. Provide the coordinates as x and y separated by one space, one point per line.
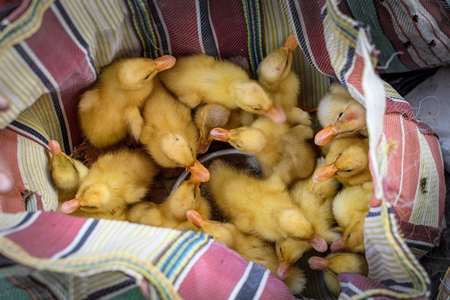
51 52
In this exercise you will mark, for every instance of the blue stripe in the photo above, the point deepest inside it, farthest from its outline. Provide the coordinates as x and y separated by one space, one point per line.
111 289
23 221
391 282
159 27
36 134
299 31
254 36
206 30
83 239
373 214
77 34
348 63
252 284
420 246
183 247
346 290
53 95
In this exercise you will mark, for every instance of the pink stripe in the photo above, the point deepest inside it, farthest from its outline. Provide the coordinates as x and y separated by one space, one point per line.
226 15
12 202
49 234
180 18
403 164
18 11
67 65
201 282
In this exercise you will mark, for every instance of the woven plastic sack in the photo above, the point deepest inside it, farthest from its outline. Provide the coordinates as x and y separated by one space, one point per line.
51 52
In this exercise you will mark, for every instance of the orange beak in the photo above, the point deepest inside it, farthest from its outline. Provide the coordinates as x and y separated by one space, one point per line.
203 145
199 172
319 244
276 114
54 147
337 246
291 43
195 218
325 136
324 173
70 206
283 270
164 62
220 134
317 263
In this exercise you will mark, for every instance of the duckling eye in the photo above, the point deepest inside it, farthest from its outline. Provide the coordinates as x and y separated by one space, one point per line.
256 108
237 145
177 163
340 115
347 171
93 207
348 236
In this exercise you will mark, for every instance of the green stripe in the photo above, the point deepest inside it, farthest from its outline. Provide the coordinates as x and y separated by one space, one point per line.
342 25
26 25
365 12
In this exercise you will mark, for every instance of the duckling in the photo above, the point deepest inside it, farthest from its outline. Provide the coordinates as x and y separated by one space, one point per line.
340 115
337 263
116 180
66 172
350 207
210 115
172 212
281 83
260 207
278 148
315 200
347 160
169 133
249 247
111 108
202 78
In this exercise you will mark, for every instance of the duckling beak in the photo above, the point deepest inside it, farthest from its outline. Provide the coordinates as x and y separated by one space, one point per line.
283 270
199 172
164 62
291 43
324 173
195 218
203 145
220 134
70 206
337 245
319 243
325 136
54 147
317 263
276 114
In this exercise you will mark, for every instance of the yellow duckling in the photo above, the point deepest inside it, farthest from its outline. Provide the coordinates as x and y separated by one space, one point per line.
172 212
66 172
350 208
276 76
202 78
169 133
278 148
337 263
260 207
114 181
211 115
110 110
249 247
315 200
348 161
340 115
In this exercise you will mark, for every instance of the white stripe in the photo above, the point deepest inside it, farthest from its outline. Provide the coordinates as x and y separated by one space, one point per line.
199 25
8 220
241 282
402 168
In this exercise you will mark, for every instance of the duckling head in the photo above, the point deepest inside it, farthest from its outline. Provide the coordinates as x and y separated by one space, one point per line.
206 118
251 97
185 197
92 198
135 73
288 252
276 66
